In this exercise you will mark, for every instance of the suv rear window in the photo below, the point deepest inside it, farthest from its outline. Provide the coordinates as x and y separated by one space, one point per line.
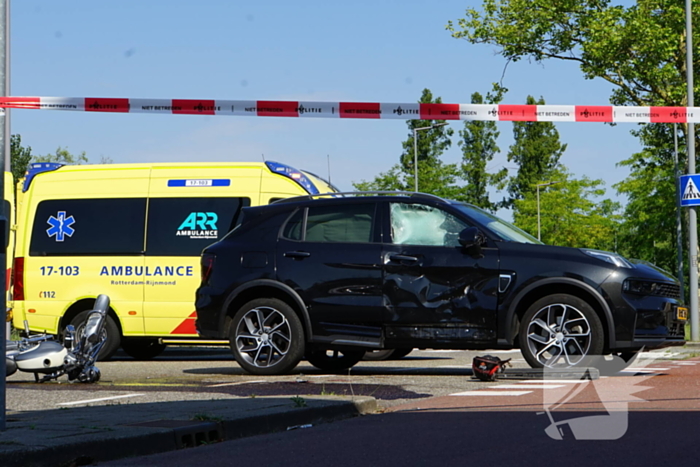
350 223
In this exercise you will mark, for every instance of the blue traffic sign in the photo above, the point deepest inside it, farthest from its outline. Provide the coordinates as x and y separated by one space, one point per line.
690 194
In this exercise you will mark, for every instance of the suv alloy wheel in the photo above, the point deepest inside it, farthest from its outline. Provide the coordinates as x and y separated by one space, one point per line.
267 337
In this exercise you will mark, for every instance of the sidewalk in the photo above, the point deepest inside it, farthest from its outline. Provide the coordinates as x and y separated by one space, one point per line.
85 435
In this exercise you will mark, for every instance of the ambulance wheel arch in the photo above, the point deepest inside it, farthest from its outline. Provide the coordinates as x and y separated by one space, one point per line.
77 315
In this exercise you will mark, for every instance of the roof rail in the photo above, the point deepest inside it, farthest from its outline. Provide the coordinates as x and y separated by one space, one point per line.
411 194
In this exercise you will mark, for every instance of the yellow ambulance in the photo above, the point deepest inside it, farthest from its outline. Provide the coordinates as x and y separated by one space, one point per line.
134 232
9 215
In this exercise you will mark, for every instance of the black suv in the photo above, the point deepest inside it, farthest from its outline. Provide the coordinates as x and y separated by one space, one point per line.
327 278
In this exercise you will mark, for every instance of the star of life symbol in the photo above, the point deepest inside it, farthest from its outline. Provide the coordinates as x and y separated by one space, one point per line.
60 226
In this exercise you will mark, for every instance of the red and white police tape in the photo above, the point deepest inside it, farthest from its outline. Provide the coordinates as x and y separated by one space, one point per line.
404 111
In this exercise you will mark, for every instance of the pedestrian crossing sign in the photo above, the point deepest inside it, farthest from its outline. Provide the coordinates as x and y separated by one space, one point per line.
690 193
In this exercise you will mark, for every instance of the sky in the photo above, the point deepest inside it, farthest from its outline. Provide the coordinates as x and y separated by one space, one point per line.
310 50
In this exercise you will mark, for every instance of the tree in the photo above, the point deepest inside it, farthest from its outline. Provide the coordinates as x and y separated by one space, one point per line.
62 156
649 228
19 157
536 150
434 176
639 49
570 213
479 146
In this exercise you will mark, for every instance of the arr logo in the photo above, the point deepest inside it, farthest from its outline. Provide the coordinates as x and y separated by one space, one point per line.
199 225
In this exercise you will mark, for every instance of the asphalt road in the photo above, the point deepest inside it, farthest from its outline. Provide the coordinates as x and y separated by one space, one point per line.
192 373
195 372
433 411
645 416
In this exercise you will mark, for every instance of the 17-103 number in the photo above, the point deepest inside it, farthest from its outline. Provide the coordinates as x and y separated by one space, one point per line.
60 270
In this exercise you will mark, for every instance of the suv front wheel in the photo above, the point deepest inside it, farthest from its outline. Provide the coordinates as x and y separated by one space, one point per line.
560 331
267 337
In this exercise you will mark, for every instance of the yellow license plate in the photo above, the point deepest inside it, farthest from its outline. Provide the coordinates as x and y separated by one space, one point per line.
682 312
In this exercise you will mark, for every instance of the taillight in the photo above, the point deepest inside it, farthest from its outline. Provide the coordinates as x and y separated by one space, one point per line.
207 264
18 279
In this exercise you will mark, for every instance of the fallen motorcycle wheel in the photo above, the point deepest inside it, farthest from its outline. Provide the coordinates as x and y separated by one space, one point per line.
110 328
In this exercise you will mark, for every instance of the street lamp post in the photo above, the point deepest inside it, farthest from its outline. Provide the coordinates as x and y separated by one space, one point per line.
538 204
415 151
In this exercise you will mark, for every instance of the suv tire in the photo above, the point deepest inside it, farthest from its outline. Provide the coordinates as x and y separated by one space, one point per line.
142 349
560 331
267 337
334 360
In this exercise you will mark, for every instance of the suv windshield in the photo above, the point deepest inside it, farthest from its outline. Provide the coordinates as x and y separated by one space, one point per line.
503 229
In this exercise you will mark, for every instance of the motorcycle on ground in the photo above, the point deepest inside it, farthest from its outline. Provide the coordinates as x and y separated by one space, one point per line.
48 359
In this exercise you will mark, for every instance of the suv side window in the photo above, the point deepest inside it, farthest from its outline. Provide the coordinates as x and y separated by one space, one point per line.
293 228
348 223
420 224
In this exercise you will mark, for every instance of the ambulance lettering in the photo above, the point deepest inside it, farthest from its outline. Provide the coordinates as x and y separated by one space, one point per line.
182 271
199 225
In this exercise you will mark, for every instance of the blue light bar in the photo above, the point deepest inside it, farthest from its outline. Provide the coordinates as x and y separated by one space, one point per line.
294 174
37 168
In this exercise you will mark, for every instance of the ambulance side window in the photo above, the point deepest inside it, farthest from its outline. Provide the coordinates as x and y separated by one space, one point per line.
89 227
185 226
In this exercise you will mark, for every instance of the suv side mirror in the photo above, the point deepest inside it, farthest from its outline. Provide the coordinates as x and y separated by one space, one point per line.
471 240
471 237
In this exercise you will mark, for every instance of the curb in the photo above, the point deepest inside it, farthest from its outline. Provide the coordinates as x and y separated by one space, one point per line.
172 435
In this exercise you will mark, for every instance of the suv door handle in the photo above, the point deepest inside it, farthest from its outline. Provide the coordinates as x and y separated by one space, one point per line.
403 258
297 254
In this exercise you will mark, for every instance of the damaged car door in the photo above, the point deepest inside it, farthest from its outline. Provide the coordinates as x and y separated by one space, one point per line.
436 290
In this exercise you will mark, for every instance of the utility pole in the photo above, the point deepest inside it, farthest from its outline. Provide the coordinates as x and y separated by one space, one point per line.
4 162
692 213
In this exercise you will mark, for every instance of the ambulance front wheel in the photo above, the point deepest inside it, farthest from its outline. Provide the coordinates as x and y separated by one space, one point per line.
111 329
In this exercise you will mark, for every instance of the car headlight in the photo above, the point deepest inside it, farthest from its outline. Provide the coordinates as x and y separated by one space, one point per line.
608 257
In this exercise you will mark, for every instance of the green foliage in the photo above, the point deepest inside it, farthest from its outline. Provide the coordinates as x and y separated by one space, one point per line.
434 176
62 156
570 214
649 230
536 150
298 401
479 146
639 49
19 157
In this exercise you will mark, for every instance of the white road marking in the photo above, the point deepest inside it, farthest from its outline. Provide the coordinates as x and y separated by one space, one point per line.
685 363
518 386
491 393
236 384
556 381
90 401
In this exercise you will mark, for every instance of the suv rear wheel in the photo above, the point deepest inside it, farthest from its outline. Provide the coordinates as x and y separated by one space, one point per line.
560 331
267 337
